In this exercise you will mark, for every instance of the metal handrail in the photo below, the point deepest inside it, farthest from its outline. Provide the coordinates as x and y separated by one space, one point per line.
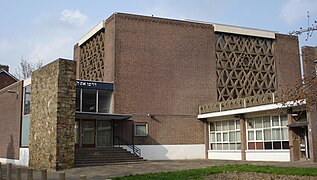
134 148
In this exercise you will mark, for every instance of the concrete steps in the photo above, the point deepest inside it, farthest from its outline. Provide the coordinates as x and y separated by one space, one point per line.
104 156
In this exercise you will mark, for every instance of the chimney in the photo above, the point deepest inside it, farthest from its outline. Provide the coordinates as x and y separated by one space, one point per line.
4 67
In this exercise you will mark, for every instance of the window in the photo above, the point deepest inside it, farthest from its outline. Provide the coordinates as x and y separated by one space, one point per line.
25 131
27 99
225 135
140 129
89 100
267 133
92 100
104 98
25 126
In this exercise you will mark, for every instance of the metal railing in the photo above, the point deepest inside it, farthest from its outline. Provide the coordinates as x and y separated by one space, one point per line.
120 141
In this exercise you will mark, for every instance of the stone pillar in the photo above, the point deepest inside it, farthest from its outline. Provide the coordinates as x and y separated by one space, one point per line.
293 137
52 124
243 136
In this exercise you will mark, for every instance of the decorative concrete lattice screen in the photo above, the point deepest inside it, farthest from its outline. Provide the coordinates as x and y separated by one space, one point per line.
245 66
91 58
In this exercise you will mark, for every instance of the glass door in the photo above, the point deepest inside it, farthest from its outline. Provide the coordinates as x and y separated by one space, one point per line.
88 131
104 133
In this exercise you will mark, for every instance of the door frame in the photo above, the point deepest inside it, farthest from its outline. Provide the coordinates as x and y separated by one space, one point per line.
111 139
82 134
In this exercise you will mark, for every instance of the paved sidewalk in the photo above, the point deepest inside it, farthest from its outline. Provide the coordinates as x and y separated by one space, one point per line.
108 171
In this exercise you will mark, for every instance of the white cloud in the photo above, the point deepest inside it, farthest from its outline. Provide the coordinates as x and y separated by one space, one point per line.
55 34
73 16
47 36
295 10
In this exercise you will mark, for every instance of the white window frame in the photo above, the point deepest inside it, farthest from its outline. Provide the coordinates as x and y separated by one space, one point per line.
136 124
221 142
262 129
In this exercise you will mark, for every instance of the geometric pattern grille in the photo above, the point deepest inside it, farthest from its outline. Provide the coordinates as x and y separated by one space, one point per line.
245 66
92 58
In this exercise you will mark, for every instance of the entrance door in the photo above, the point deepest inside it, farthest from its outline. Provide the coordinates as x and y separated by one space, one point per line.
104 133
88 133
303 143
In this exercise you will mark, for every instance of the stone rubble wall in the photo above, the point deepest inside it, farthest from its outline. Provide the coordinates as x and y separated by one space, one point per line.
52 136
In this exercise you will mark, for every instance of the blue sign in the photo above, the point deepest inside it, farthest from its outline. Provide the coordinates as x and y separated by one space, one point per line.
94 85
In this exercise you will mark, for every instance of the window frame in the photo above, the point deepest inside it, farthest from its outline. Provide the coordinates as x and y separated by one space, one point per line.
217 143
256 144
26 107
27 90
136 124
97 106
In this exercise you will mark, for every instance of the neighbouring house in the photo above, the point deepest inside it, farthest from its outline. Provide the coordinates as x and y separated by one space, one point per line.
163 89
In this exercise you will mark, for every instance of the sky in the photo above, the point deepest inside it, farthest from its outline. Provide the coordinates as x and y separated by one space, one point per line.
42 30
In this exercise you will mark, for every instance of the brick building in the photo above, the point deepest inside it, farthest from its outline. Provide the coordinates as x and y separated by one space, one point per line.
170 89
5 77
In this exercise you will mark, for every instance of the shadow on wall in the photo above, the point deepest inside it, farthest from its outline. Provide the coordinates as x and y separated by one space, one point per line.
150 148
10 148
153 151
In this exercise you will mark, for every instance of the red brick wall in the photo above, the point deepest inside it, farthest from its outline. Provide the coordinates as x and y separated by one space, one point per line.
10 119
6 80
309 56
166 68
287 60
109 57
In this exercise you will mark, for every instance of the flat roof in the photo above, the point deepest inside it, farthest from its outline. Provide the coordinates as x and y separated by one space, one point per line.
244 31
238 29
250 109
102 116
90 33
217 28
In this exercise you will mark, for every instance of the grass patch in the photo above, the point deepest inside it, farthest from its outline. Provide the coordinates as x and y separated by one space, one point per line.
200 173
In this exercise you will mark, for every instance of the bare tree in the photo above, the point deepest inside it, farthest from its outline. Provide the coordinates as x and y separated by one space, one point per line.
25 68
305 89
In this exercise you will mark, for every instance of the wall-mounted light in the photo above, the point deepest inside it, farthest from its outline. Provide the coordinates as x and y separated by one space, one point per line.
15 92
152 116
